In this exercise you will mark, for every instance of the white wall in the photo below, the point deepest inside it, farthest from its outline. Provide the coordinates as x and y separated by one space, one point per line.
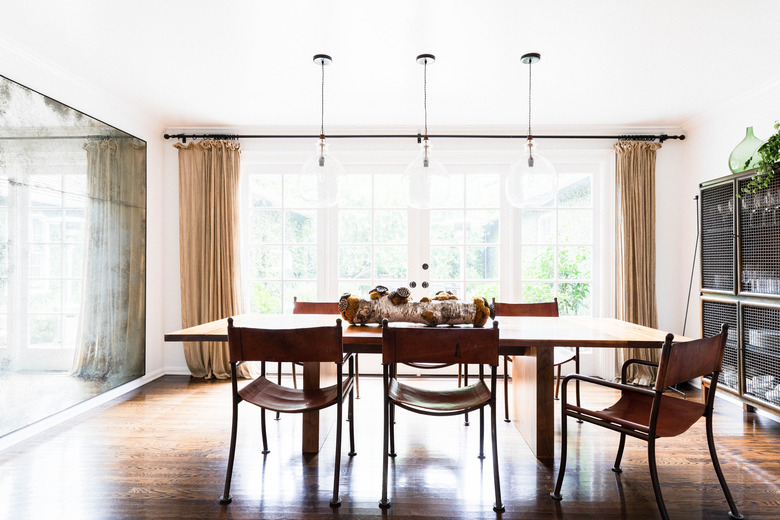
28 70
710 139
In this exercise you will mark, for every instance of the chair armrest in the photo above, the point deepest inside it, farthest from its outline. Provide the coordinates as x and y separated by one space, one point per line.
624 368
602 382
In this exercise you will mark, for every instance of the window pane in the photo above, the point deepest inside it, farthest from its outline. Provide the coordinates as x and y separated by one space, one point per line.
391 262
483 191
300 262
73 266
355 262
539 227
70 329
388 192
301 227
44 198
265 227
574 299
455 288
488 290
45 261
482 227
538 263
292 193
72 303
355 191
45 296
537 292
575 263
265 297
356 288
3 222
44 330
456 196
575 226
482 263
445 263
265 191
390 227
446 226
3 260
5 363
304 291
3 297
575 190
45 225
355 226
265 261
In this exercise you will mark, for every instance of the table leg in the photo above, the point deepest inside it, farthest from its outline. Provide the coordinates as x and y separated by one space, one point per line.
316 425
534 407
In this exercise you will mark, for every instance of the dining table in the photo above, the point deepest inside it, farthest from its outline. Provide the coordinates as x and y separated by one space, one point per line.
530 340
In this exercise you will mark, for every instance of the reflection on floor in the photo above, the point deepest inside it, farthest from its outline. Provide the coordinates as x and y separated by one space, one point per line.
161 452
28 397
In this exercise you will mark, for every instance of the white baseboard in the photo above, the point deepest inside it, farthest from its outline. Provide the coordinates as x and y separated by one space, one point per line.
90 404
177 371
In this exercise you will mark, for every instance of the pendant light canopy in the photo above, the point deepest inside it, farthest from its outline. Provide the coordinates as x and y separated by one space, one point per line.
425 179
532 180
319 177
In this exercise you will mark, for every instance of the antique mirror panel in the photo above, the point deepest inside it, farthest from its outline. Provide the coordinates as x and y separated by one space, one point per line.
72 256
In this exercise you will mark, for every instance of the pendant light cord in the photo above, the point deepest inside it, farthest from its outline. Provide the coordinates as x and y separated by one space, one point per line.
529 99
322 100
425 94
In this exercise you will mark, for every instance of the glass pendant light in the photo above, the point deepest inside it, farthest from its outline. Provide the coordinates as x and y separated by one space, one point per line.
319 177
425 179
532 180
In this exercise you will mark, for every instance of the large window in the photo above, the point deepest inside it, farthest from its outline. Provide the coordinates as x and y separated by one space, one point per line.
474 245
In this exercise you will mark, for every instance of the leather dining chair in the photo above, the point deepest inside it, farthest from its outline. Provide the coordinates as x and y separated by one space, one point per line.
315 344
648 414
304 307
561 355
435 347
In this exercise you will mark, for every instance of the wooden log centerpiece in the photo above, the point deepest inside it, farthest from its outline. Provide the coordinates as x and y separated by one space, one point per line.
443 309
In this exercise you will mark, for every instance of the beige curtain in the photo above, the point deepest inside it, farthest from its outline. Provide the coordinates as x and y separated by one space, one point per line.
635 276
209 249
111 342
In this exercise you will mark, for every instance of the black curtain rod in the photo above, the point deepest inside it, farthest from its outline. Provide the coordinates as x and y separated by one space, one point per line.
641 137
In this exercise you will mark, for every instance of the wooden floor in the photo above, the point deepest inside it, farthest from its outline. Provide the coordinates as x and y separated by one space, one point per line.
161 451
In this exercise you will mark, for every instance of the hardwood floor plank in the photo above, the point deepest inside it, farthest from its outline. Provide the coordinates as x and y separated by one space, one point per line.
161 452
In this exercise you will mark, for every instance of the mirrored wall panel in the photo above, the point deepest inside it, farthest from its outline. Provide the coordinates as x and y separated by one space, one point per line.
72 256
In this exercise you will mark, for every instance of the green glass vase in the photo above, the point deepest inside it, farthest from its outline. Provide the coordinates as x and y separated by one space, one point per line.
744 151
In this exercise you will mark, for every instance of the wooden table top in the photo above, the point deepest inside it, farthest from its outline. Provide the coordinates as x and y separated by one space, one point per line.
516 333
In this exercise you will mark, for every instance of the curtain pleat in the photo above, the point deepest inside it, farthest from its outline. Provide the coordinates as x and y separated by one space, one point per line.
209 174
635 248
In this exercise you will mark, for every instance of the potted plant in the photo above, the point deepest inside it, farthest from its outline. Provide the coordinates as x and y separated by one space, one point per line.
768 156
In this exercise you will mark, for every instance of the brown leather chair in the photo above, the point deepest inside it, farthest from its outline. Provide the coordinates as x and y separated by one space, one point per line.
649 414
300 307
429 347
561 355
316 344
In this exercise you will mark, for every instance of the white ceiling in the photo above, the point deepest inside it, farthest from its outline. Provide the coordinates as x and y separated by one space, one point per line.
610 63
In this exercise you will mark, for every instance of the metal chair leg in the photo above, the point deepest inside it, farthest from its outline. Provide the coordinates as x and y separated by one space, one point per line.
557 382
733 513
226 497
481 433
498 507
278 382
384 503
556 493
506 389
351 417
466 383
392 452
335 501
357 377
265 437
654 478
619 457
